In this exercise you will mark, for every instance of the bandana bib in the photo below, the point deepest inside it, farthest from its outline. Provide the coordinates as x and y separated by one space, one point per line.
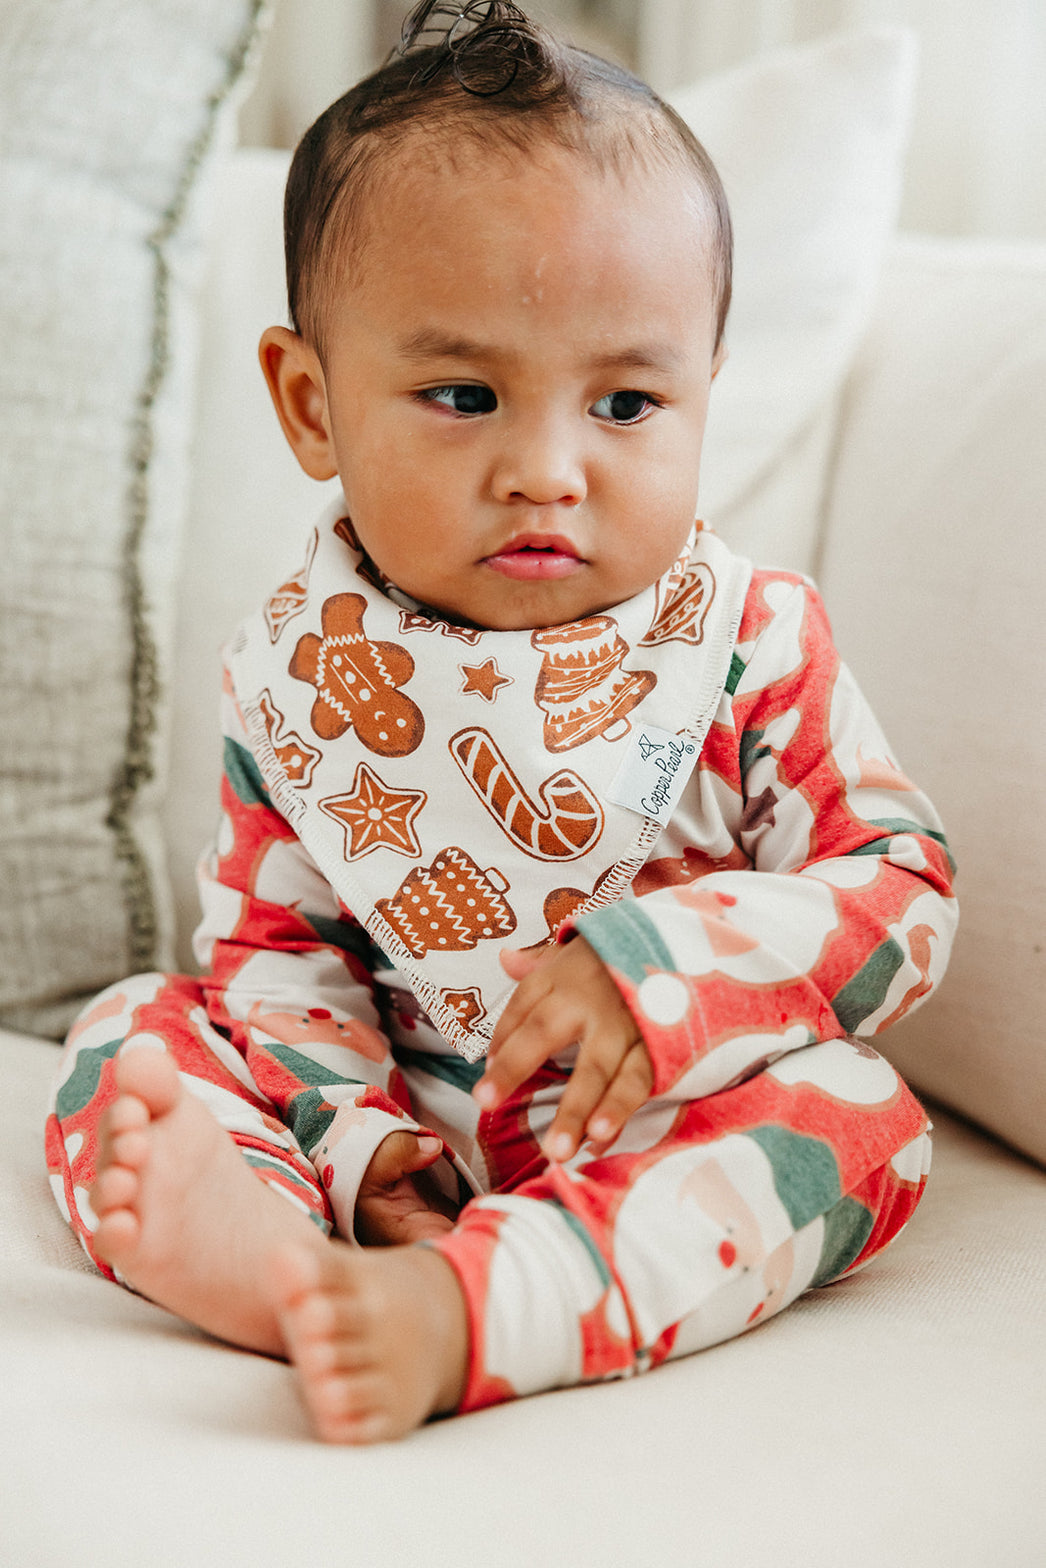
463 790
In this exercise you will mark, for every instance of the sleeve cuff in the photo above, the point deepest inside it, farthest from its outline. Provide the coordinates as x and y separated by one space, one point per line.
346 1149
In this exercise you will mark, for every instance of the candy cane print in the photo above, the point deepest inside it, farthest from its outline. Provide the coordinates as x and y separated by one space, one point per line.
567 822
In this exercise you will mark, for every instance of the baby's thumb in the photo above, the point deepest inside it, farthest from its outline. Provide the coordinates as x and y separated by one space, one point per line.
427 1150
400 1154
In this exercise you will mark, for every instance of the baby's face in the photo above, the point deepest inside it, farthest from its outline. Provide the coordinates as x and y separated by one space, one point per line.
517 378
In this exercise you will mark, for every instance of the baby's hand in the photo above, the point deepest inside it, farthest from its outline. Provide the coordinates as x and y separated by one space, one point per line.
565 996
399 1201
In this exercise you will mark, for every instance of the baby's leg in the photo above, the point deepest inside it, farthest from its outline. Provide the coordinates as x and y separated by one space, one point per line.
702 1221
157 1190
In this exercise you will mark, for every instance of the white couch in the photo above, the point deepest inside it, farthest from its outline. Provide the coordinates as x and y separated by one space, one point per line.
896 1418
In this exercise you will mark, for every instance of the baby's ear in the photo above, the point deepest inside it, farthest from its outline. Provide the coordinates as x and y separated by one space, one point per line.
719 358
298 389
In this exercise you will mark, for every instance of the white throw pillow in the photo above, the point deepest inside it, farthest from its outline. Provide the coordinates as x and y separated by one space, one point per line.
107 113
934 574
810 144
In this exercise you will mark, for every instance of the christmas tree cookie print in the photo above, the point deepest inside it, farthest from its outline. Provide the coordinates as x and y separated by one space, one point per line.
289 599
682 617
295 756
448 907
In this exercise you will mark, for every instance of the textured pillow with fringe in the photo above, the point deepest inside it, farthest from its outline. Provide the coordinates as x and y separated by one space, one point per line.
109 117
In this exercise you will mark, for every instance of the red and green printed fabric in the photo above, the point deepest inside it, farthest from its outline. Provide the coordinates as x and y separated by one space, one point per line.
796 904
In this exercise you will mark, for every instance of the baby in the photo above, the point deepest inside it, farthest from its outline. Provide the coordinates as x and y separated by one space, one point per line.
560 859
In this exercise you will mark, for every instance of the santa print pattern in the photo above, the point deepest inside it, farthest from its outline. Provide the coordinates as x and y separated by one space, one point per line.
805 898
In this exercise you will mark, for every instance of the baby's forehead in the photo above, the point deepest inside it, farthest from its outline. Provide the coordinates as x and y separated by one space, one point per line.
408 190
420 171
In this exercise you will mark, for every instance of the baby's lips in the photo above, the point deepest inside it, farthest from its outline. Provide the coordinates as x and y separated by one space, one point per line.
536 558
549 544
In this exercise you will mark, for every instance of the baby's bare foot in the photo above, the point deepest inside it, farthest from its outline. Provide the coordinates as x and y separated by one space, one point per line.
181 1216
379 1337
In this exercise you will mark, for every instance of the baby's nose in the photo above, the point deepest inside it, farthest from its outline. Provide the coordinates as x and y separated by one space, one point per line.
542 466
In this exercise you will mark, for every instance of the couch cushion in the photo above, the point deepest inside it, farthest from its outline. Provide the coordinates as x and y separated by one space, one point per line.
898 1417
107 113
934 573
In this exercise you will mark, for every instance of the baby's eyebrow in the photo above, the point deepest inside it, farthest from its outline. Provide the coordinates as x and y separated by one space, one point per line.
640 356
432 343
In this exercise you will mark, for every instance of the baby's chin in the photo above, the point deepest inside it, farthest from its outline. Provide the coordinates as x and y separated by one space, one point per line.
519 608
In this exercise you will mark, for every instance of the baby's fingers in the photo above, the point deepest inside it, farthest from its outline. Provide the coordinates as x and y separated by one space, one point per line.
630 1088
606 1086
518 1056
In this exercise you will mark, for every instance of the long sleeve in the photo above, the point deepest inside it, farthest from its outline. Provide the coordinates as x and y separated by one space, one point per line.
288 978
824 906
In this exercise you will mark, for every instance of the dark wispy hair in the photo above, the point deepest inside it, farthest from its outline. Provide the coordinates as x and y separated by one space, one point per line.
482 69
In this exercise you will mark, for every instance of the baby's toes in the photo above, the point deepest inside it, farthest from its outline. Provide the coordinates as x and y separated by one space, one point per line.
126 1114
115 1188
349 1407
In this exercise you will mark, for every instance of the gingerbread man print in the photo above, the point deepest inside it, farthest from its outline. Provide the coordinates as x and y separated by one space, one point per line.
357 681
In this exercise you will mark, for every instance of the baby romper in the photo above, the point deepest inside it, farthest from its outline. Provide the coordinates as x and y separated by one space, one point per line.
757 914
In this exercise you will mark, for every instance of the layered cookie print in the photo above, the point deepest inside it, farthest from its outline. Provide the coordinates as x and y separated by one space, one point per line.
581 686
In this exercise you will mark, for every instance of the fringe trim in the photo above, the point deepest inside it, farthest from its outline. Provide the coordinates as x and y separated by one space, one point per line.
137 766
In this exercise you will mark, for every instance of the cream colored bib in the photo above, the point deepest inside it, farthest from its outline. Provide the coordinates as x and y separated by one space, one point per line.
467 790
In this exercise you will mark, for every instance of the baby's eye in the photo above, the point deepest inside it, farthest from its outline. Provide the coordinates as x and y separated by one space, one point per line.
463 398
623 408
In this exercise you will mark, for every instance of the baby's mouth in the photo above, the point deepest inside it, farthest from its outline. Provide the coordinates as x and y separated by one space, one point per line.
536 558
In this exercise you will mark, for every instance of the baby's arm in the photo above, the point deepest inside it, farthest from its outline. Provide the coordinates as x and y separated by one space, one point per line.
843 922
566 996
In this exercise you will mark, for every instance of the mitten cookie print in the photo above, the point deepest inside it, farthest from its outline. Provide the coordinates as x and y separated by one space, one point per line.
448 907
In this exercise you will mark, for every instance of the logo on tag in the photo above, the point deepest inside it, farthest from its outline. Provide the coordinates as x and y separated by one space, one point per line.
654 773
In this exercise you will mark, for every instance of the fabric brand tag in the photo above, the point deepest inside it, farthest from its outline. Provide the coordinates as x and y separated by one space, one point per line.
654 773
